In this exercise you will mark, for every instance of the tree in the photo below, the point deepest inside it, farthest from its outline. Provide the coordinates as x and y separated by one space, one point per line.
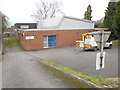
0 26
4 21
117 0
47 9
99 25
87 14
109 15
116 22
112 18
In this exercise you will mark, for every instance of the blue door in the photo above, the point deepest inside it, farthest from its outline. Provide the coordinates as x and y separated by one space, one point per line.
52 41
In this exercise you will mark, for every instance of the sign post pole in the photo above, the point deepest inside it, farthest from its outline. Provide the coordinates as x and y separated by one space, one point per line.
100 38
101 55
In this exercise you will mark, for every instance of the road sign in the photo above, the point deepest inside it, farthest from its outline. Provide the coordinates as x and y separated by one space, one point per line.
98 35
100 38
99 62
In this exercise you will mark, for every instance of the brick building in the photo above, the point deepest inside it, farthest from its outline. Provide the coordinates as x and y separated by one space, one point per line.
54 33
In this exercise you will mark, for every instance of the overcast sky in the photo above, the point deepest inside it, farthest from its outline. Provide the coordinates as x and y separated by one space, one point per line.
21 10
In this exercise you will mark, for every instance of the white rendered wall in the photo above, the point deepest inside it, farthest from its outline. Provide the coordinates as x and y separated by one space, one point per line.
76 24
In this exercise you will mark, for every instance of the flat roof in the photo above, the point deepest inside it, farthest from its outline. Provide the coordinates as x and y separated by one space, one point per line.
55 29
25 23
101 28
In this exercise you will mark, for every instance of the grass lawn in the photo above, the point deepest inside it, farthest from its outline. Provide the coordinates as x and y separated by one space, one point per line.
106 82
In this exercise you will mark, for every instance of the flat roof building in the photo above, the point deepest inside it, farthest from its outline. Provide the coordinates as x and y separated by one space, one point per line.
55 32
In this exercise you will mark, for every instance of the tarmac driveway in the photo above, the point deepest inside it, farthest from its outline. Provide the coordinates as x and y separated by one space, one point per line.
19 70
84 61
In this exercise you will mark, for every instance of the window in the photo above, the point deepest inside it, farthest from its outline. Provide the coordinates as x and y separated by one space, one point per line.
24 26
50 41
45 41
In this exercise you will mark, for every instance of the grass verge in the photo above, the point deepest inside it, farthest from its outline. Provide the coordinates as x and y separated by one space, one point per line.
11 42
74 83
116 43
105 83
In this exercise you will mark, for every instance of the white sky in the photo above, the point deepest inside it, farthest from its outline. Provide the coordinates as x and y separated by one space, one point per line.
21 10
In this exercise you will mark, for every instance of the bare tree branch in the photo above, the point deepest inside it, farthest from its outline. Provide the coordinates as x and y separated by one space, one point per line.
47 10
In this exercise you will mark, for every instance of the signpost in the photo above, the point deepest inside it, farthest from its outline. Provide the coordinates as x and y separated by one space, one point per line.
101 55
100 37
98 60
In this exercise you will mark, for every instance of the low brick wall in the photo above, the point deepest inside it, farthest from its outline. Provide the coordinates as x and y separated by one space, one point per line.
63 38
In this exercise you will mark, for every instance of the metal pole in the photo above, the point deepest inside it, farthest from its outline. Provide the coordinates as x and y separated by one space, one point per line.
101 56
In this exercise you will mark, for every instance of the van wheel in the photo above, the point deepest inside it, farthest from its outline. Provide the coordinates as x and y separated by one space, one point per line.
84 49
110 46
95 49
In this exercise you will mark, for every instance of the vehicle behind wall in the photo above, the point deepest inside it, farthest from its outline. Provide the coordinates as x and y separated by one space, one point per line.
108 44
88 42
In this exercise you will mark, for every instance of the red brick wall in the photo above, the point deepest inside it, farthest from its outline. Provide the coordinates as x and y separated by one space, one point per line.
63 38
